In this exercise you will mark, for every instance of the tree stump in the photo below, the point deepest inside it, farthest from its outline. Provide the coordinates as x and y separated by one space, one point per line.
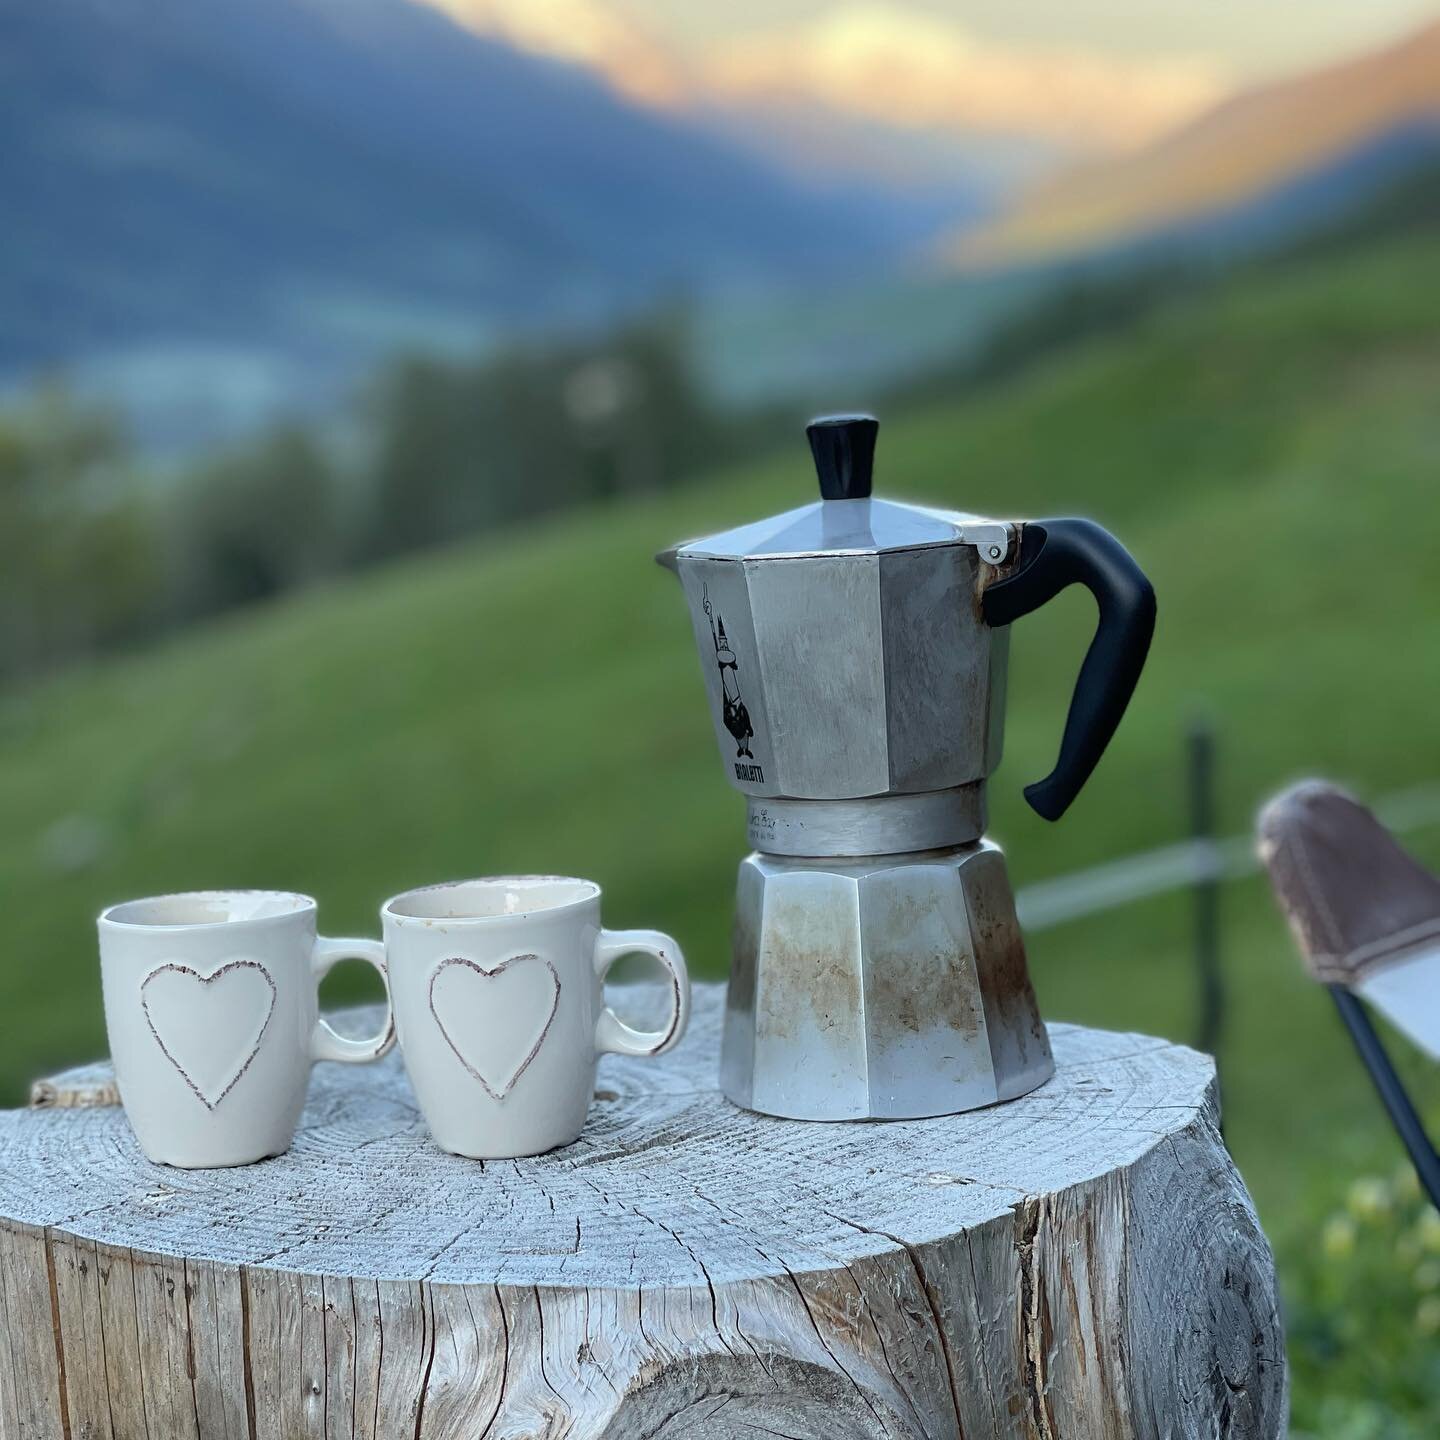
1081 1262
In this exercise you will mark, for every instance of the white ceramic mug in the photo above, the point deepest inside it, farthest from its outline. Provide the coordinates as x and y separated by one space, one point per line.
498 986
212 1007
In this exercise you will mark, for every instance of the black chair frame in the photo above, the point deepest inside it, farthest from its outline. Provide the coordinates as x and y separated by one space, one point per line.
1393 1094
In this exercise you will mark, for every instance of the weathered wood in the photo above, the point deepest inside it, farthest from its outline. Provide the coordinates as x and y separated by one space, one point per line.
81 1088
1083 1262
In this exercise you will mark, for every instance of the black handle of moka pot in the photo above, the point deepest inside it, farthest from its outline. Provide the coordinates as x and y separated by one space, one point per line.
1055 554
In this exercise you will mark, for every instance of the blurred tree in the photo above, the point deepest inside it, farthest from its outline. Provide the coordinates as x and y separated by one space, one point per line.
1069 310
257 522
534 428
89 558
1410 205
78 557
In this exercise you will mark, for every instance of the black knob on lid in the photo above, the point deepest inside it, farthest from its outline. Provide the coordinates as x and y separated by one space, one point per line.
844 450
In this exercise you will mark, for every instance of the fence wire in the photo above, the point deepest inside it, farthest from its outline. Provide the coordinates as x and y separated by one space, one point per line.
1184 864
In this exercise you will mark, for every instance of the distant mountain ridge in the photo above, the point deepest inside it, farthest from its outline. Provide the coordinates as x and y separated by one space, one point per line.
907 100
1331 137
292 187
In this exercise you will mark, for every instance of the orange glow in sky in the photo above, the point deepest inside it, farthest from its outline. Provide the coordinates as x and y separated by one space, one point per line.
1097 75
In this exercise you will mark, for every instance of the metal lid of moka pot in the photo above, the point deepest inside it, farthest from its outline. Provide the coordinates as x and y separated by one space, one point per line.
846 520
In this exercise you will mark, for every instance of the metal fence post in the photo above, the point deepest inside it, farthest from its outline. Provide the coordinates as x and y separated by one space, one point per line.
1200 751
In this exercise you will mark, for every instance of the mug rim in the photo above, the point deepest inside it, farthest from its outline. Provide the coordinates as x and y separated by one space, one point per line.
111 917
590 892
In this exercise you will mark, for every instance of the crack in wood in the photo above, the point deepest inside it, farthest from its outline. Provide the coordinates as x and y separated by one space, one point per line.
504 1356
930 1300
190 1342
979 1327
835 1359
427 1312
247 1350
104 1346
1027 1229
59 1339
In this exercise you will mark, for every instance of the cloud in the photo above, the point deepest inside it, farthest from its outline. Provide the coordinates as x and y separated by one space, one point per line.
582 32
918 71
875 61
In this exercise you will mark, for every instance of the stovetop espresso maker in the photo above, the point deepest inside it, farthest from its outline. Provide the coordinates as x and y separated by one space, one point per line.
854 654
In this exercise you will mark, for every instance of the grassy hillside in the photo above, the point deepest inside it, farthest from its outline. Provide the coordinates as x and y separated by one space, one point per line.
1270 455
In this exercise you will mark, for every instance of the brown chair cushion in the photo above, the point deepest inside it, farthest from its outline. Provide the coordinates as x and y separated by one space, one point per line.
1355 900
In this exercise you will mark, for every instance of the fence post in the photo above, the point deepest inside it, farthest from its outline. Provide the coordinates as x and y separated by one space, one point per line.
1201 755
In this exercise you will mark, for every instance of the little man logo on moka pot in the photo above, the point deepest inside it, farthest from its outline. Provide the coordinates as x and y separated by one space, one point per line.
734 713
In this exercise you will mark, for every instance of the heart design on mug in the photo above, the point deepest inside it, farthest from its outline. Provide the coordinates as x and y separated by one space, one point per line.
209 1027
495 1020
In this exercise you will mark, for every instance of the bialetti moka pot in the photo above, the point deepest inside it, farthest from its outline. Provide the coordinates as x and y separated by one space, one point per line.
854 653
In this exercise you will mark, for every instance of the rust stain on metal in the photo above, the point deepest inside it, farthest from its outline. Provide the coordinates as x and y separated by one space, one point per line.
1008 990
987 573
1010 1005
744 943
817 974
812 960
918 971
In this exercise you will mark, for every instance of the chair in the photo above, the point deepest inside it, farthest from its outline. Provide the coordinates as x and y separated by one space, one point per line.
1366 917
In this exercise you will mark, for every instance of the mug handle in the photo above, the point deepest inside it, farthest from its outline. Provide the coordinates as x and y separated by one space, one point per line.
612 1035
325 1044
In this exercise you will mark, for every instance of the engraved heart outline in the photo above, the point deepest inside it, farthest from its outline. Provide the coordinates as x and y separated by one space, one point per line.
490 974
175 967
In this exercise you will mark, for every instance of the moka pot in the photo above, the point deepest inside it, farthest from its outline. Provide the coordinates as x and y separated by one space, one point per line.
854 655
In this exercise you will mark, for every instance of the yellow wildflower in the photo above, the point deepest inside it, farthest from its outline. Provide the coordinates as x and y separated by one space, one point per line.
1368 1199
1338 1237
1427 1276
1407 1187
1427 1231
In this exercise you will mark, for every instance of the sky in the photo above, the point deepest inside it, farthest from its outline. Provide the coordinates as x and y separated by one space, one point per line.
1067 78
1245 40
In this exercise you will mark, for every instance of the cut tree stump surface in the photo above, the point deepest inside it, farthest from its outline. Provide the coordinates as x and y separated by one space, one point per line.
1081 1262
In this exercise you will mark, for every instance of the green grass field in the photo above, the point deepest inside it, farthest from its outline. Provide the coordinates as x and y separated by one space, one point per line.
1270 453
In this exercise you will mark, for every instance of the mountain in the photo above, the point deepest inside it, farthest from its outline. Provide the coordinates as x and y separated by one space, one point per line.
1263 163
915 68
596 34
915 105
253 201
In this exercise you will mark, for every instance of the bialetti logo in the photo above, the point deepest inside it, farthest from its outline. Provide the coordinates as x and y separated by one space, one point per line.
733 713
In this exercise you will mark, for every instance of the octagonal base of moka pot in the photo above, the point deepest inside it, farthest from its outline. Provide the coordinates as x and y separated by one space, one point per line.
892 987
